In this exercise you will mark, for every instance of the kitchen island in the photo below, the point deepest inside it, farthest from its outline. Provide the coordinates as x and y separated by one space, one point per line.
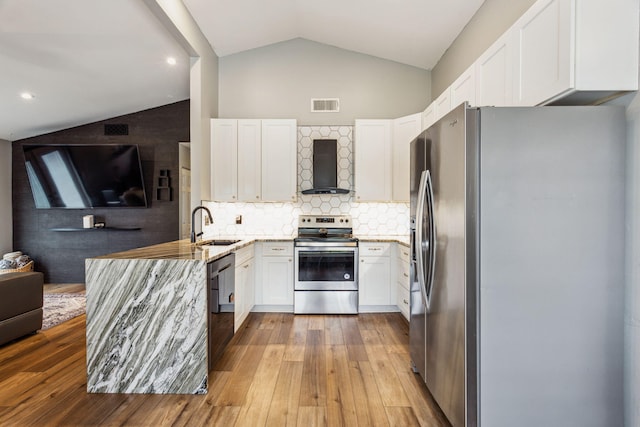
147 314
147 318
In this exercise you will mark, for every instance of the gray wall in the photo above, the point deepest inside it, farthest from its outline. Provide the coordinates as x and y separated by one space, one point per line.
278 81
490 21
632 262
6 221
60 255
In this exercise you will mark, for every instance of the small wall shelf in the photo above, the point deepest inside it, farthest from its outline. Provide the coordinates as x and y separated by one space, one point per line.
164 193
97 229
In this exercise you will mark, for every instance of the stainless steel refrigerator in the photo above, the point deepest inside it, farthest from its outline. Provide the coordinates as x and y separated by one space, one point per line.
517 235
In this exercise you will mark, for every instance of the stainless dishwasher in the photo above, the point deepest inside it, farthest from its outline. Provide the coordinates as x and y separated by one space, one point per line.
221 282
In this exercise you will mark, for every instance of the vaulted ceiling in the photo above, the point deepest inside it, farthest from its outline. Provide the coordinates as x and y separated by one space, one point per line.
84 61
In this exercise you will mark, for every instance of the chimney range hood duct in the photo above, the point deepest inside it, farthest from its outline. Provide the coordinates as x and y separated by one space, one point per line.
325 168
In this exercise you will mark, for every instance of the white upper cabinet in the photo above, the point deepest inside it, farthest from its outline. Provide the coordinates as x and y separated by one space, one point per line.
494 74
373 161
253 160
224 160
279 160
429 116
464 88
565 52
442 104
405 129
577 50
544 46
249 160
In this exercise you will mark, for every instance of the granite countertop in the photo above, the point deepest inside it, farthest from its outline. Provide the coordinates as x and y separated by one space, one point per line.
201 251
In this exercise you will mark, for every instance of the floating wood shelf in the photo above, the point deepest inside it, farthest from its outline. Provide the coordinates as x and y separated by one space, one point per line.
97 229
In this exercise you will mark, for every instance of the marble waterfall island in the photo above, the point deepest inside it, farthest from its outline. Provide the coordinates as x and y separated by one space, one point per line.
147 321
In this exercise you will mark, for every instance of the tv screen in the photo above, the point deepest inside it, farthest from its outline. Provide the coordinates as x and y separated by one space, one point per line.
85 176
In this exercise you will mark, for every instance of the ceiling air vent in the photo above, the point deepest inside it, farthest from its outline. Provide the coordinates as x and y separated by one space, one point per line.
325 105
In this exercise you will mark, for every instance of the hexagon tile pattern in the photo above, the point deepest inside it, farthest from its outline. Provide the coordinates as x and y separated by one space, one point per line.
281 219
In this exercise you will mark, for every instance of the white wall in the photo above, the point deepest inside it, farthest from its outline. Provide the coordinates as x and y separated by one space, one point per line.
278 81
6 217
490 21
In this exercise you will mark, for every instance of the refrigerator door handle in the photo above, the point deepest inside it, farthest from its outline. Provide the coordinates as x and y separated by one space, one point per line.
432 241
420 241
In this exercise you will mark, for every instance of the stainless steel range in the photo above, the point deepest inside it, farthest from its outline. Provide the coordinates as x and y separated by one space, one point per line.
326 265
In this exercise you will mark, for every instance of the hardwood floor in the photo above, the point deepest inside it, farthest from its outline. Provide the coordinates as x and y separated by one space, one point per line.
278 370
64 288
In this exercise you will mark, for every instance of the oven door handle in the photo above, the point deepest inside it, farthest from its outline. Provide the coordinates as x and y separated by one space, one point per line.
323 247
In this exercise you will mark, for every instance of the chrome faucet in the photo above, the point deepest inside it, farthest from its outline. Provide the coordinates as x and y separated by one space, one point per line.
193 220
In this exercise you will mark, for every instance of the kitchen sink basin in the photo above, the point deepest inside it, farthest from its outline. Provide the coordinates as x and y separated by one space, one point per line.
223 242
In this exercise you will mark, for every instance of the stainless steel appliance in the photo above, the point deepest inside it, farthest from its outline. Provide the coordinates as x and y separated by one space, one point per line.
517 235
221 277
326 265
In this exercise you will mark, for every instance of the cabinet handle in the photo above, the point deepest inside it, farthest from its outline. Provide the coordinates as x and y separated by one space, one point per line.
245 266
405 301
233 197
405 275
277 249
257 197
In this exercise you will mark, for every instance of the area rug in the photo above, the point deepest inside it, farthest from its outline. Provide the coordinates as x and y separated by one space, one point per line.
59 308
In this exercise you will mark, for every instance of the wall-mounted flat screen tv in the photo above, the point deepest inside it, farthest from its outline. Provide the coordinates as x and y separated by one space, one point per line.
85 176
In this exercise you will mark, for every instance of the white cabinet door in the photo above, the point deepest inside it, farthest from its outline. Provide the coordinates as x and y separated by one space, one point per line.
373 161
249 160
405 129
429 116
279 160
544 40
374 276
375 281
244 292
277 280
224 159
463 89
494 74
442 104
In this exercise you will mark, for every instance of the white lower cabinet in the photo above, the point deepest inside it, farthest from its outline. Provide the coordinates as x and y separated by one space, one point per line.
402 279
375 290
244 285
274 284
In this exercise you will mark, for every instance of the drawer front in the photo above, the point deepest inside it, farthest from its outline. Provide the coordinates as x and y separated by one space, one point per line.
403 274
403 253
277 248
403 301
374 249
244 254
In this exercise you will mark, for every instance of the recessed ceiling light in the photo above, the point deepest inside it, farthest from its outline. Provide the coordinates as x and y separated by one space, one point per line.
27 95
171 60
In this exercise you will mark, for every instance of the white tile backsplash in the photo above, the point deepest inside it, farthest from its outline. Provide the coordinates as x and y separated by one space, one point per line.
269 219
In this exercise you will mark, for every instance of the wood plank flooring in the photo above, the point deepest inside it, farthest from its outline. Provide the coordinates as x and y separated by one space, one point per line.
279 370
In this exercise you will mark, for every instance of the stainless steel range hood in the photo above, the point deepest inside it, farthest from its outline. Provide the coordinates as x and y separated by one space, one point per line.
325 168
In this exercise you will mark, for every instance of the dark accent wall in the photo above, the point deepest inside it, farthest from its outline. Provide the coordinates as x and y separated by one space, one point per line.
61 255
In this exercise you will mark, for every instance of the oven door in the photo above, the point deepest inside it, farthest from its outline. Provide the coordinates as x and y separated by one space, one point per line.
320 268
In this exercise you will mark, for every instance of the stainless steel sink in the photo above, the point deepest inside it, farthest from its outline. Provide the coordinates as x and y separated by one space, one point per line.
223 242
216 242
